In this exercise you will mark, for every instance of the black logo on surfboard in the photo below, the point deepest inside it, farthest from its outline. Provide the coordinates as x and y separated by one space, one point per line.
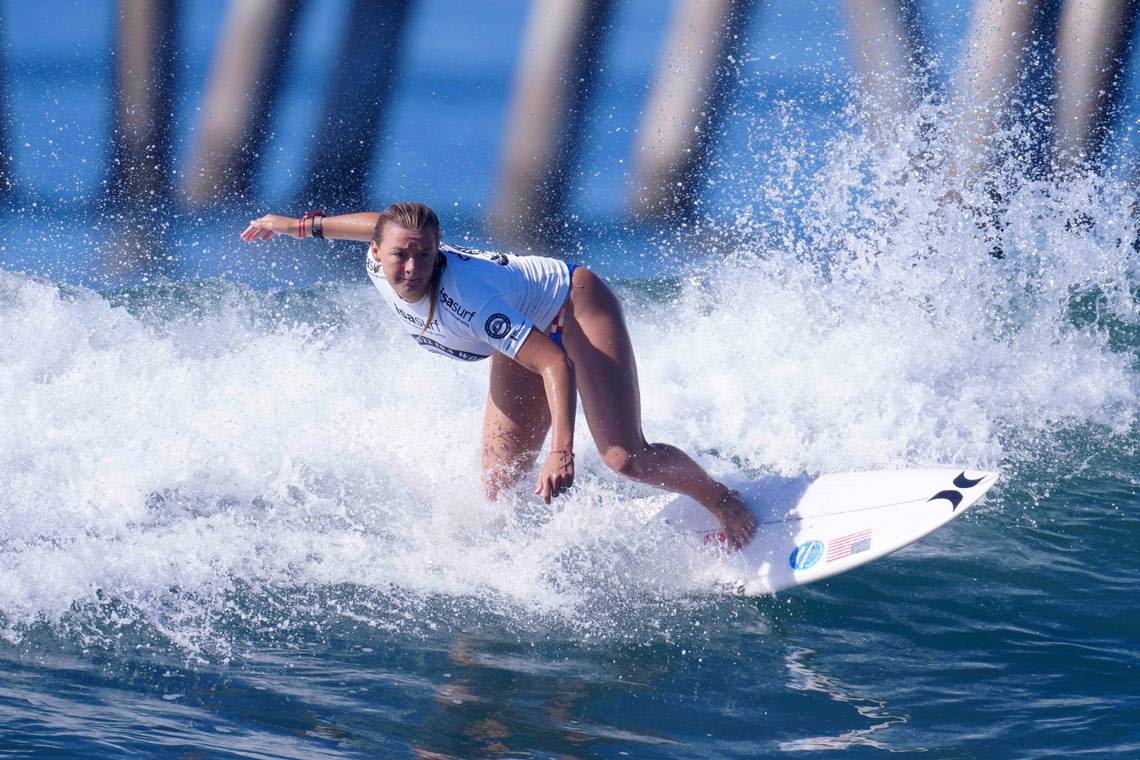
954 497
963 482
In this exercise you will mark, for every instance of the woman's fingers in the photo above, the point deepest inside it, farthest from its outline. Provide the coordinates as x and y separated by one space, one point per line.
552 484
740 532
738 524
265 227
554 479
256 232
560 484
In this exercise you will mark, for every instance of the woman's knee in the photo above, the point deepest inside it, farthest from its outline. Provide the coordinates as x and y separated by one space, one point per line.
623 461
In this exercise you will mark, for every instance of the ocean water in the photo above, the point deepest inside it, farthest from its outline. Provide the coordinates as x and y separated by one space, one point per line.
240 512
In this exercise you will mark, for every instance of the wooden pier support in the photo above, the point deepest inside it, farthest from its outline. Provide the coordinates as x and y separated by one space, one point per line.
356 105
1092 49
684 111
553 82
887 56
1000 31
139 188
243 86
7 184
144 83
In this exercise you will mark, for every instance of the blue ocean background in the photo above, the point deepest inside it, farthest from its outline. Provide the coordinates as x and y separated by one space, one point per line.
240 513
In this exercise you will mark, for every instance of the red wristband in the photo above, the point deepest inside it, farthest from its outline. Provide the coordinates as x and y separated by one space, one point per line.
315 216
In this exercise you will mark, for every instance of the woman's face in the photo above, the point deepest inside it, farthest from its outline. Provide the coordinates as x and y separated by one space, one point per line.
407 258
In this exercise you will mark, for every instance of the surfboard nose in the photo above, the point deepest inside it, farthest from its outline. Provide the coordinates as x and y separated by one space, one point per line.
813 527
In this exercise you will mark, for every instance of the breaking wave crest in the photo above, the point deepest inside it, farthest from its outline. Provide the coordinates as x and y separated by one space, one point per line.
173 452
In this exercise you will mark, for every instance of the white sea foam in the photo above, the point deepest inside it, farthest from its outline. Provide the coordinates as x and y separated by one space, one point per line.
205 437
917 350
150 459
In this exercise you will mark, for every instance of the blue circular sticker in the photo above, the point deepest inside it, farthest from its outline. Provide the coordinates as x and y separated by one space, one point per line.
805 555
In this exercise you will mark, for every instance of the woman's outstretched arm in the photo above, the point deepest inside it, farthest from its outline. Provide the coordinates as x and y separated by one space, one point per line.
356 226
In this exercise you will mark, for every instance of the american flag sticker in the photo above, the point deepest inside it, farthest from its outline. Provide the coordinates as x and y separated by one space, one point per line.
848 545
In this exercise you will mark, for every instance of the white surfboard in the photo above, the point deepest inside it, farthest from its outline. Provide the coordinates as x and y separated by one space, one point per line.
810 528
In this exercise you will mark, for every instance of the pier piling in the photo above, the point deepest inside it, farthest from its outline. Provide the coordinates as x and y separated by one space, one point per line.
887 57
138 187
1092 49
356 103
685 107
7 186
244 82
553 82
987 77
144 74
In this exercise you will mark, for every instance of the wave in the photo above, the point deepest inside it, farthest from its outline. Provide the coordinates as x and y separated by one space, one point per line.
166 449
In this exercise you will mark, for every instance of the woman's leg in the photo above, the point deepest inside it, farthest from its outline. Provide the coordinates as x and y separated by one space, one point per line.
515 423
598 342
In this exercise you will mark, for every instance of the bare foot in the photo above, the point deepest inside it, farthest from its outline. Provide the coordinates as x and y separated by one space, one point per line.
736 519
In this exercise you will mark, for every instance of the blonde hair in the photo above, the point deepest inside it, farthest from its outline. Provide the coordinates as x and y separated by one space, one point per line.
417 217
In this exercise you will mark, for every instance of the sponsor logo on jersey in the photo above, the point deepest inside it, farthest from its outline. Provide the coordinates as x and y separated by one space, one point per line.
806 555
498 325
466 254
371 264
516 334
417 321
458 310
455 353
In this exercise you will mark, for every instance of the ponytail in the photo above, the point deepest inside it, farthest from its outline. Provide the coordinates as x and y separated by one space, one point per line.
433 288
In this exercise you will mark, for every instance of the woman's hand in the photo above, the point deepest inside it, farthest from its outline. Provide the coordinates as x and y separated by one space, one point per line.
270 225
556 476
736 519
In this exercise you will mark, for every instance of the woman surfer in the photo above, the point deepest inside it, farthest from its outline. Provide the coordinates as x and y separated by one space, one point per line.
553 332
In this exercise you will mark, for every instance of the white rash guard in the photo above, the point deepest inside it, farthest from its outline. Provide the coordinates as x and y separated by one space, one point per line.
487 302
